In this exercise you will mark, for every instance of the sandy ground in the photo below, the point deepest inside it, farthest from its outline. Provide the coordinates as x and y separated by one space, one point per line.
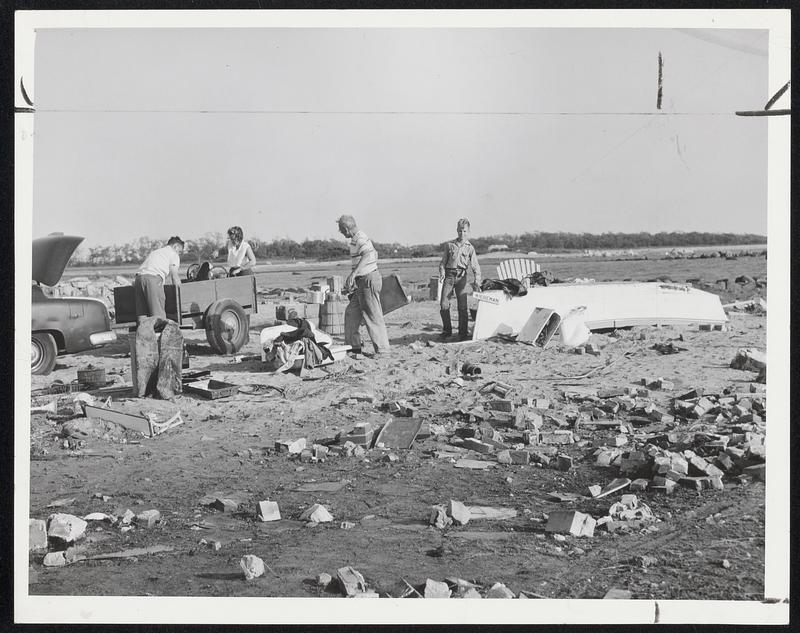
226 448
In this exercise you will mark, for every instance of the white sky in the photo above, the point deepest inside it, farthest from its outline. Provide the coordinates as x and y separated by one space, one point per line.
183 131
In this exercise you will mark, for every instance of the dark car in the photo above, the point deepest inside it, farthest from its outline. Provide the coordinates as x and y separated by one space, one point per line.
61 325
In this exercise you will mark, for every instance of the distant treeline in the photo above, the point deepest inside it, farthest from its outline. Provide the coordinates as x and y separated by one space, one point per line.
212 246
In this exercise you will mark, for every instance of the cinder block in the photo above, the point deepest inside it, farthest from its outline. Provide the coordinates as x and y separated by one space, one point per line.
148 518
564 462
556 437
478 446
268 511
291 446
571 522
500 405
225 505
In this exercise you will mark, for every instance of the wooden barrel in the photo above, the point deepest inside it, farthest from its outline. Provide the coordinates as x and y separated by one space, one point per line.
331 315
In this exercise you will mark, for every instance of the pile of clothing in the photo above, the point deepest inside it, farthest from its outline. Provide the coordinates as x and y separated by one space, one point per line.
303 340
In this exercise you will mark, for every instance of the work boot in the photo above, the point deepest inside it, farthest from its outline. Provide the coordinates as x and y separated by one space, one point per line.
463 324
447 326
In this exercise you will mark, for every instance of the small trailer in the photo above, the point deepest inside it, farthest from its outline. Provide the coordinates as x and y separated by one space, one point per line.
220 306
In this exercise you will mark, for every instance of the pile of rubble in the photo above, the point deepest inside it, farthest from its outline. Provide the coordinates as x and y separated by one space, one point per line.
99 288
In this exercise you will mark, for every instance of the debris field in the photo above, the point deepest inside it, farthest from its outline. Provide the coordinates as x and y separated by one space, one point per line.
630 467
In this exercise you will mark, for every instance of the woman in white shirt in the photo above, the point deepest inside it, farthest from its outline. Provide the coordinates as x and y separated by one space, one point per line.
240 255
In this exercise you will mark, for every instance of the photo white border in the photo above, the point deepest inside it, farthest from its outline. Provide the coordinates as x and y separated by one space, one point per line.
205 610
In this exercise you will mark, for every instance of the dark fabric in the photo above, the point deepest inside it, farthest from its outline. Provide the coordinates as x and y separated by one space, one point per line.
447 325
512 287
203 272
302 330
541 279
314 352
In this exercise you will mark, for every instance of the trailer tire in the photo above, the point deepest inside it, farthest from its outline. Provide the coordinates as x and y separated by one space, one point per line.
227 326
43 353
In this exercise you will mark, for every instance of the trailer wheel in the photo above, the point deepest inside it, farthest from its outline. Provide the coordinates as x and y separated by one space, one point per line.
43 353
227 326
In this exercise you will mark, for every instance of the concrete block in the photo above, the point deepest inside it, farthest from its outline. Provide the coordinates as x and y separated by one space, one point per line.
758 471
54 559
317 514
564 462
662 484
37 534
291 446
504 457
713 471
634 462
148 518
351 581
478 446
678 464
571 522
698 465
639 485
500 405
224 504
65 527
716 483
499 590
268 511
610 392
556 437
519 457
458 512
306 455
436 589
724 462
695 483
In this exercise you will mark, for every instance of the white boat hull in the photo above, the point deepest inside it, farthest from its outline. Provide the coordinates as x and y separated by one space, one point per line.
608 305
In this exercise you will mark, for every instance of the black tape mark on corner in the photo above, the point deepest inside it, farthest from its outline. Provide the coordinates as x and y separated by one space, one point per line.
660 81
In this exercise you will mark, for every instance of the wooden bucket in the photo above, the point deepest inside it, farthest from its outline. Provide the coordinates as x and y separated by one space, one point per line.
331 315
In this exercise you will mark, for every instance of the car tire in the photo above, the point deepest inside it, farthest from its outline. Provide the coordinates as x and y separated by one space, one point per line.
43 353
227 326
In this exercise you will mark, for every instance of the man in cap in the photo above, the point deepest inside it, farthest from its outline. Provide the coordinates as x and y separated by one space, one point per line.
365 282
459 255
148 285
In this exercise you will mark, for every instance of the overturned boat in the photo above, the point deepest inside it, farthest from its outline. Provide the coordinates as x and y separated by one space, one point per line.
607 305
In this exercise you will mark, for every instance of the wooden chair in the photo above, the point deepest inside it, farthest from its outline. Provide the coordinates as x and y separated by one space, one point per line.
518 268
